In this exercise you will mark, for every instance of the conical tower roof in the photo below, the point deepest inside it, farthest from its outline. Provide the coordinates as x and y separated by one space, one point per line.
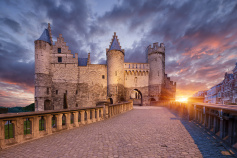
45 36
114 44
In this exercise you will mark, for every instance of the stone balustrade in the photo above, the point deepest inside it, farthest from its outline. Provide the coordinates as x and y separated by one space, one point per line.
115 109
21 127
220 120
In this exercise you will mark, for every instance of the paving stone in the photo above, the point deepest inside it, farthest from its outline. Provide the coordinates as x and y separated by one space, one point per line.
143 132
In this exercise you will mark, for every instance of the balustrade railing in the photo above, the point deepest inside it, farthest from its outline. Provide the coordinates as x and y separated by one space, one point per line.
21 127
220 120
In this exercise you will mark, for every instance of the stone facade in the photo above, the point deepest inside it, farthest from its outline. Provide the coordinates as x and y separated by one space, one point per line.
224 92
64 80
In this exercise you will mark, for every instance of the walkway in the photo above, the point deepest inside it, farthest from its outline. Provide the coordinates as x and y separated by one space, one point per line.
142 132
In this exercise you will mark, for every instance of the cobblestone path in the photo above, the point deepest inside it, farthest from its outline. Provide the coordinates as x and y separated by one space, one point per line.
142 132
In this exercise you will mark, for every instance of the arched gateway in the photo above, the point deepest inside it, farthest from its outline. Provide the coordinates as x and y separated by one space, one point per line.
136 96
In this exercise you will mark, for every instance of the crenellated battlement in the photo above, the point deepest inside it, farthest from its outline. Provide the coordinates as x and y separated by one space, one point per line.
156 48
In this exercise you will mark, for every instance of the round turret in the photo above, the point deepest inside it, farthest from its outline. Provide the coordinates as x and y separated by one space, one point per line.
43 79
156 60
115 71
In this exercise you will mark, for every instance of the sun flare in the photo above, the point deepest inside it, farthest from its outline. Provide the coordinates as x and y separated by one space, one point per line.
182 99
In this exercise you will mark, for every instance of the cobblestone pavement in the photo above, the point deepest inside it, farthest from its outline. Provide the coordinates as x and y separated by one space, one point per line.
142 132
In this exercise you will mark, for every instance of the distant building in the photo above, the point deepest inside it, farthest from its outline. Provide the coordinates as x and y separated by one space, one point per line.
229 88
200 94
213 95
224 92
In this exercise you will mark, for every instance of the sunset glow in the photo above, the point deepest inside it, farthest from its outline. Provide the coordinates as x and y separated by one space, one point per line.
181 99
200 43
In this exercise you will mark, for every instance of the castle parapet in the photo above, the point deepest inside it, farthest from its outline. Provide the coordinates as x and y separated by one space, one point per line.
156 48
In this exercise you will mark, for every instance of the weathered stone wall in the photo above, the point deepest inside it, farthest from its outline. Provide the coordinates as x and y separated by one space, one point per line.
92 84
84 85
156 75
156 60
65 53
136 79
115 72
43 78
65 81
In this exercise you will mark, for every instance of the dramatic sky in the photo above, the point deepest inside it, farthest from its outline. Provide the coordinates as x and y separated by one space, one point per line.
200 38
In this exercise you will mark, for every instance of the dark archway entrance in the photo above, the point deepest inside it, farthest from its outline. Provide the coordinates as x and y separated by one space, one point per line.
110 100
136 96
47 105
152 101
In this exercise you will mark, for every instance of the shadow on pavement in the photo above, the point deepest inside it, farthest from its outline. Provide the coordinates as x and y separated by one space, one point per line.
208 144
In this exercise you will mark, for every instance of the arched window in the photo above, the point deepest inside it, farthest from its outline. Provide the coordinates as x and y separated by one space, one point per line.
135 80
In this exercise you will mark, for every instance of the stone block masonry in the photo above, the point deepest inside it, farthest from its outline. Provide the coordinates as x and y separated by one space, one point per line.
63 80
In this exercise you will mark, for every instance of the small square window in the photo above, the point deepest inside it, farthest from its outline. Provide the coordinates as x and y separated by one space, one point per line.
59 59
59 50
56 91
76 92
103 76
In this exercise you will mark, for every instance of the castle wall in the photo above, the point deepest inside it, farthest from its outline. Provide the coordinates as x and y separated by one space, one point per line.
43 78
156 60
92 84
137 78
115 72
60 83
65 79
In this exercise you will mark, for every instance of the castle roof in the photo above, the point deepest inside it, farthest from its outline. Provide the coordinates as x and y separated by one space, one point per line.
115 45
82 61
45 36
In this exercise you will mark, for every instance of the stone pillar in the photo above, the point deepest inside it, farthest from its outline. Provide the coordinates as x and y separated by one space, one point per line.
35 126
201 117
221 128
2 134
189 112
68 120
75 123
93 115
97 114
88 116
209 122
215 124
59 121
82 112
102 113
48 125
19 129
106 112
230 131
205 118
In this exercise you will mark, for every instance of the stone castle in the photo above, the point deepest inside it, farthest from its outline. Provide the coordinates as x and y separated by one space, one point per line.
64 80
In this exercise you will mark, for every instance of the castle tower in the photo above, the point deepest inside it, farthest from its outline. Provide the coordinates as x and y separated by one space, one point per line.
156 60
43 79
115 71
